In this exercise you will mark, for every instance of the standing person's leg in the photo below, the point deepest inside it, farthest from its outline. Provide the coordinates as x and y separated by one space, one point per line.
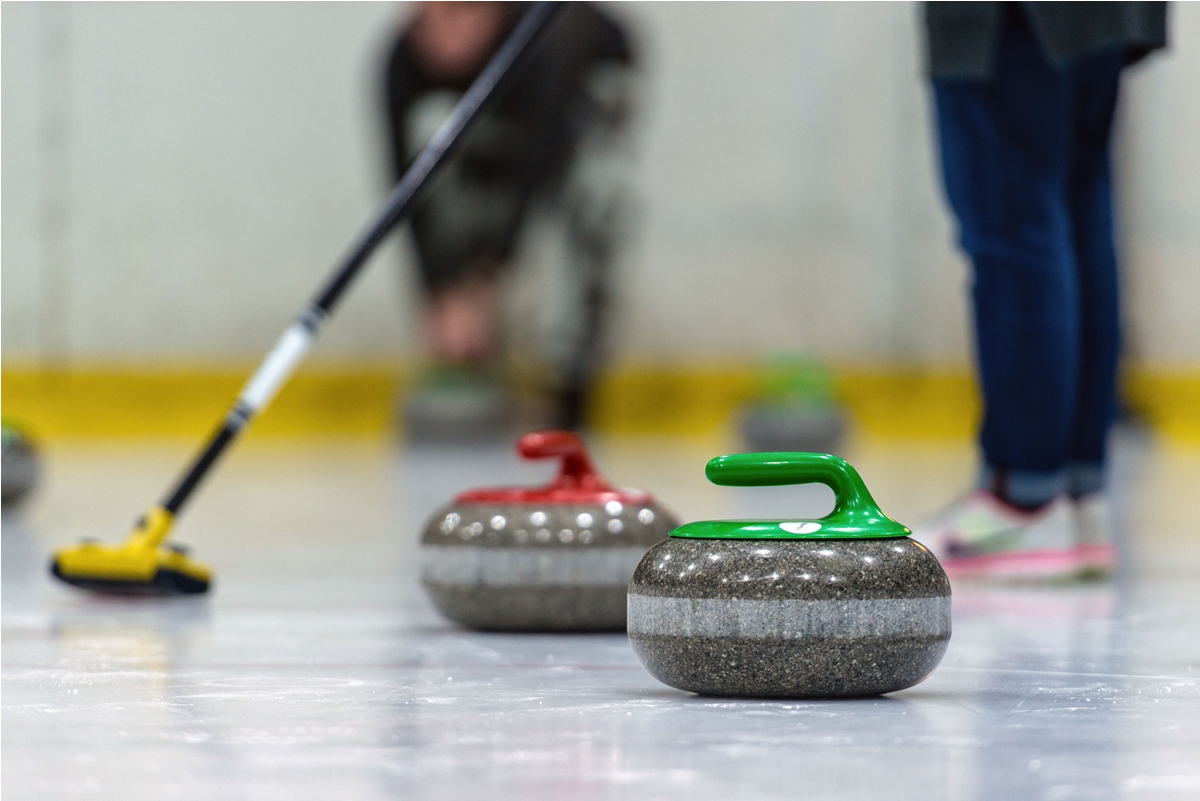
1090 197
1006 146
1005 152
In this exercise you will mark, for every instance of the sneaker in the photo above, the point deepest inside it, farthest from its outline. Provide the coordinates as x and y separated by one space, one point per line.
980 536
1094 535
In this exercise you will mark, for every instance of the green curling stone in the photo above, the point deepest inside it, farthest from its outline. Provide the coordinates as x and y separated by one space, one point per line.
20 468
844 606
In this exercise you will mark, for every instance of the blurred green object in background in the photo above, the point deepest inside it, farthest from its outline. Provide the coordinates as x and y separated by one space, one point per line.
796 379
797 409
458 405
19 466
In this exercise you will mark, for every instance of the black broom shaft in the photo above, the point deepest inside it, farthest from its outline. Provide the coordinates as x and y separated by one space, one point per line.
399 205
405 195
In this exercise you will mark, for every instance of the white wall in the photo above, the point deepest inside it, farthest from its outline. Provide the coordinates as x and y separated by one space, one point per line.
788 160
1158 179
221 157
217 158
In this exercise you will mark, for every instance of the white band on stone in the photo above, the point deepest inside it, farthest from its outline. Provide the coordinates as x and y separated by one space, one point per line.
530 567
789 619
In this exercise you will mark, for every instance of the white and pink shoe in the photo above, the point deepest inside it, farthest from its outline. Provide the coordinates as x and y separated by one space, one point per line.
1094 536
980 536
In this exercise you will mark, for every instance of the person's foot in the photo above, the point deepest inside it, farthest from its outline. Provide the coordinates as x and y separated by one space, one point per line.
1094 535
981 536
459 324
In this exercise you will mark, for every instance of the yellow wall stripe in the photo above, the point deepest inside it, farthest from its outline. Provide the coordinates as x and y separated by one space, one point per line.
189 401
108 401
1169 399
687 400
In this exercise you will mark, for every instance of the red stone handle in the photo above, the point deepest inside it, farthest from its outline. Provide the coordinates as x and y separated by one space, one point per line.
576 470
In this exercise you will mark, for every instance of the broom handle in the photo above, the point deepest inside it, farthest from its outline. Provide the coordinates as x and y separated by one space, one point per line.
296 341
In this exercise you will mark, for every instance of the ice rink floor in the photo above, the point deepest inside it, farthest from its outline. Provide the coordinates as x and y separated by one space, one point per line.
317 670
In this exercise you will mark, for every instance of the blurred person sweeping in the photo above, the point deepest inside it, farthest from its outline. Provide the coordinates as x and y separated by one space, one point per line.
1025 95
546 165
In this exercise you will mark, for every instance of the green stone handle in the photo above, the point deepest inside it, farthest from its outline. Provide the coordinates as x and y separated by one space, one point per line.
855 514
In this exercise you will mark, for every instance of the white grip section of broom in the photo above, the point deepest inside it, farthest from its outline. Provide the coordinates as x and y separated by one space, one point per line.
291 349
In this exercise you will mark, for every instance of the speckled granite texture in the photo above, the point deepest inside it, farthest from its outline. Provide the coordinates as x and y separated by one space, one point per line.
550 567
789 618
530 567
490 608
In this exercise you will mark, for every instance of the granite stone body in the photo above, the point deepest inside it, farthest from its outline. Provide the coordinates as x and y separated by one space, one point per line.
20 468
793 428
799 618
538 567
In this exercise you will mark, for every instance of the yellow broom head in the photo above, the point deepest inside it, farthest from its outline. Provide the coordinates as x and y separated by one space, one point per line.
142 565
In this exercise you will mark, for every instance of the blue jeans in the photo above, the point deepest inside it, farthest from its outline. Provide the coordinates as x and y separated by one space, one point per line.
1025 159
